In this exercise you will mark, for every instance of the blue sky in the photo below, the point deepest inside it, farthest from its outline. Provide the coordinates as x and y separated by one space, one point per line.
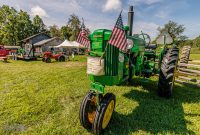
149 14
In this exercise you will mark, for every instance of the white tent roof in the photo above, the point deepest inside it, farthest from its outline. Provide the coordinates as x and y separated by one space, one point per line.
69 44
77 44
66 44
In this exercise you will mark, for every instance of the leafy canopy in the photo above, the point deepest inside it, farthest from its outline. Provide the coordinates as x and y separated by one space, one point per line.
175 30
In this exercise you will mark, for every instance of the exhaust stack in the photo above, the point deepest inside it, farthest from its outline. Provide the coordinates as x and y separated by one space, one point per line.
130 20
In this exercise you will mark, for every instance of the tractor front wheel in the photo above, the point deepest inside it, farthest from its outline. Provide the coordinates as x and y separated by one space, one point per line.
48 60
88 109
104 113
167 71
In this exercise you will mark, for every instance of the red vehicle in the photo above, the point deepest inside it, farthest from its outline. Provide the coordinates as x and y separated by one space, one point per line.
47 56
3 53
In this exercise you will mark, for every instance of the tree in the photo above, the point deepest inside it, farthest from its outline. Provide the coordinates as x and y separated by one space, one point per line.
175 30
66 32
24 25
38 25
15 26
74 24
187 42
54 31
8 22
196 42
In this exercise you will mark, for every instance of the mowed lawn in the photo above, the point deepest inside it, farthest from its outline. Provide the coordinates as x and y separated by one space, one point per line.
41 98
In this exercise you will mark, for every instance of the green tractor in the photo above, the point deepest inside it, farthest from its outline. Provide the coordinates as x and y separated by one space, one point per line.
108 66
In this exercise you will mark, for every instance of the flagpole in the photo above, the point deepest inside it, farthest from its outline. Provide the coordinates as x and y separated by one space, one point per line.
82 20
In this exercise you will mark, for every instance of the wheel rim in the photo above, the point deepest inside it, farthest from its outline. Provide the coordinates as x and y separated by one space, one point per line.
108 114
92 110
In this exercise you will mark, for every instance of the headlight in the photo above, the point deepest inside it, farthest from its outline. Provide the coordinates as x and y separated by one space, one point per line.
130 44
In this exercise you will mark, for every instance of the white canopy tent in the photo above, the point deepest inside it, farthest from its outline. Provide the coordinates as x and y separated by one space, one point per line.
77 44
69 44
66 44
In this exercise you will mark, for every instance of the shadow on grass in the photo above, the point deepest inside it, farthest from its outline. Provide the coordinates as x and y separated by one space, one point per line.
6 62
154 115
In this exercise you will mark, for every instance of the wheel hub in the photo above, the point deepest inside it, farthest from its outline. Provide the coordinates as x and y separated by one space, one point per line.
92 110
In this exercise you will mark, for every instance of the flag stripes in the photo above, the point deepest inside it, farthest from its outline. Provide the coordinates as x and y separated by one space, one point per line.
83 37
118 36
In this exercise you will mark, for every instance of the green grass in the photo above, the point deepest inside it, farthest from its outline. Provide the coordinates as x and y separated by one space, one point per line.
41 98
195 56
195 50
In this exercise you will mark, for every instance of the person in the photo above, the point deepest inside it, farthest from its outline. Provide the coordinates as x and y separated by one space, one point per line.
72 55
21 51
52 51
15 55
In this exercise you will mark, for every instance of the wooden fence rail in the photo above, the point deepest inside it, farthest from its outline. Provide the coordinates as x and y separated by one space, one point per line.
189 73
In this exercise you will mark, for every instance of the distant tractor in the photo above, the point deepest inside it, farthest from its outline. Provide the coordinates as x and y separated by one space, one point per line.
47 56
108 66
3 53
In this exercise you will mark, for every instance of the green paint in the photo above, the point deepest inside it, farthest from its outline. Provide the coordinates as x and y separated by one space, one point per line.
97 87
117 64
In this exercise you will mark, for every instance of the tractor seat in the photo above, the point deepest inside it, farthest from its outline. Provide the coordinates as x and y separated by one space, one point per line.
151 46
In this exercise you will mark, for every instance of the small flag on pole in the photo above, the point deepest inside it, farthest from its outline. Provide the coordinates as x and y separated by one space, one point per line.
83 37
118 36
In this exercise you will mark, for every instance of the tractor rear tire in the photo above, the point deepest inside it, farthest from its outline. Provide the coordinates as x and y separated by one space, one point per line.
104 113
167 70
185 54
88 109
61 58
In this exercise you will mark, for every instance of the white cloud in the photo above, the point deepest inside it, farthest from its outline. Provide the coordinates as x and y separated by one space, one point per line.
152 1
146 27
162 14
112 5
74 5
37 10
149 2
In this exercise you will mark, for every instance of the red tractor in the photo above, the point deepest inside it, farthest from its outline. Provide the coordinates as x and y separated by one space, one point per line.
47 56
3 53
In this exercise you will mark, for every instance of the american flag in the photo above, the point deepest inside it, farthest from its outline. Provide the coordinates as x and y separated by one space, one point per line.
83 37
118 36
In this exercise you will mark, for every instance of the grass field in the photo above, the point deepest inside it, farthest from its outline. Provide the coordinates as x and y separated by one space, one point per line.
195 56
41 98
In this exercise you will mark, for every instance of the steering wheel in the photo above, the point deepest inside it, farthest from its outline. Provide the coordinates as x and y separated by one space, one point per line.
146 38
